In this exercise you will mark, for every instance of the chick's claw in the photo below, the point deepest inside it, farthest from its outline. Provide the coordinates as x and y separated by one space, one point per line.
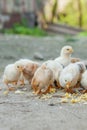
22 82
69 90
11 88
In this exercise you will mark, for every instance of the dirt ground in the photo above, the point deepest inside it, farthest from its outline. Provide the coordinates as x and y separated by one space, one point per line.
25 111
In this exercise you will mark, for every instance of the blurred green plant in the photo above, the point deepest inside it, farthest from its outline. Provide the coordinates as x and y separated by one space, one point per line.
83 33
23 29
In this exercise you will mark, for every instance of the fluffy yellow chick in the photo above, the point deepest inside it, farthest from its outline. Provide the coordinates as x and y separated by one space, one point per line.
42 80
29 70
20 64
84 80
11 75
71 74
65 56
56 68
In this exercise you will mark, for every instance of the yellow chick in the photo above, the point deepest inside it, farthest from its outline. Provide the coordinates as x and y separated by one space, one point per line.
84 80
71 74
29 70
21 65
42 80
65 56
11 75
56 68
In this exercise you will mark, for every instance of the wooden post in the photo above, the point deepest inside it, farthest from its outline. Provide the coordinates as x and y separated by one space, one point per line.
80 13
54 10
4 6
23 6
34 6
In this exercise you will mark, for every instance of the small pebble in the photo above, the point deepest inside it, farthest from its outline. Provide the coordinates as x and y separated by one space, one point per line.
18 92
38 56
51 104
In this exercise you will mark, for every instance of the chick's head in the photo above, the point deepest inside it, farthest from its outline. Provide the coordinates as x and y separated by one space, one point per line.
66 80
30 68
67 50
19 67
21 63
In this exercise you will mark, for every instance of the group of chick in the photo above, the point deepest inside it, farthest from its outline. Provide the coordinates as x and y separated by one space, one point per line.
63 72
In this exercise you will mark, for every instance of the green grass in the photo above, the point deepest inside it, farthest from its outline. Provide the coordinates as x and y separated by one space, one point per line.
83 33
23 30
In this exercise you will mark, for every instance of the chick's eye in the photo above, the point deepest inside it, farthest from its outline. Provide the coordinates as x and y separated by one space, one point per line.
67 49
17 66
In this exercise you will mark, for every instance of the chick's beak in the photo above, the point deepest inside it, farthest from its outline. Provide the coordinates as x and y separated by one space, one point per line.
71 50
20 69
68 84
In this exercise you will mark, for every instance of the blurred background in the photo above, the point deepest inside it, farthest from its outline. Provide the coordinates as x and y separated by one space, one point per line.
40 17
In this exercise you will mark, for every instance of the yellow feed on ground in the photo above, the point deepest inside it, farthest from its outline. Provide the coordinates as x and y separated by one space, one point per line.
52 90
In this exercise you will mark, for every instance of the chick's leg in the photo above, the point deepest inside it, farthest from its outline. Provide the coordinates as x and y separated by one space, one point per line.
13 88
22 82
14 83
35 88
69 90
47 90
84 91
38 91
7 84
